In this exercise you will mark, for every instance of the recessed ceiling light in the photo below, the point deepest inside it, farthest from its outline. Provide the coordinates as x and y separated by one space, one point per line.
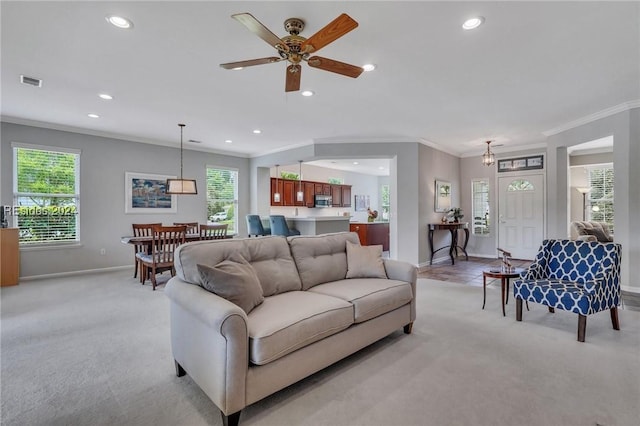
356 163
472 23
308 93
119 21
368 67
105 96
228 141
257 131
380 168
236 69
92 115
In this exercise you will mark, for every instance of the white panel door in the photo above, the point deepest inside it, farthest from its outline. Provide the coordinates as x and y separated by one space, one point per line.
521 215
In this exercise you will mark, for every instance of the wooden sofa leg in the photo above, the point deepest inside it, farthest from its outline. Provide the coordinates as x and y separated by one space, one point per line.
552 310
408 328
179 370
231 419
518 309
614 318
582 327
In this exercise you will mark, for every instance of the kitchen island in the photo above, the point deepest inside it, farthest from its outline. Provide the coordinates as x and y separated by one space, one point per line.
372 233
316 225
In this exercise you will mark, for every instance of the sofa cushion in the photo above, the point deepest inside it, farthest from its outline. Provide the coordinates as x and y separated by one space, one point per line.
289 321
235 280
269 256
321 258
364 261
272 261
370 297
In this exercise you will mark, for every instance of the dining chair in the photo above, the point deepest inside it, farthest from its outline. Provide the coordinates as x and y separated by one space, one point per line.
279 226
192 227
254 226
141 230
213 232
165 240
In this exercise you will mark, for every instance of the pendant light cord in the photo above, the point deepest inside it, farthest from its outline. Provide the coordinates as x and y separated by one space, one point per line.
181 128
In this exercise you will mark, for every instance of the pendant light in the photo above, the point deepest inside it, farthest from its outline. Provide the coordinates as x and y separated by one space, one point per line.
300 194
488 159
276 195
181 186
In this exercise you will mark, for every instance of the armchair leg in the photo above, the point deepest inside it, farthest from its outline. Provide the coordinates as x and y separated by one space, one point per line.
519 309
231 419
552 310
407 328
582 327
614 318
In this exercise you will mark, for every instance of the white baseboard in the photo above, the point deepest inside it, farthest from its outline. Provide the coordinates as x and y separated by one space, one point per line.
72 273
629 289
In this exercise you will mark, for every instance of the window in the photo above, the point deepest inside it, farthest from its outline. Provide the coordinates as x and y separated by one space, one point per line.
480 206
46 194
386 204
601 195
222 197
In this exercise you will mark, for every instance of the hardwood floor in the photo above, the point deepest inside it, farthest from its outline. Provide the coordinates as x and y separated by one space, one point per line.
469 272
465 271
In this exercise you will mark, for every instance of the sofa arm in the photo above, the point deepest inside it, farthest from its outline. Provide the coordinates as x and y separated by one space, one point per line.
402 271
210 340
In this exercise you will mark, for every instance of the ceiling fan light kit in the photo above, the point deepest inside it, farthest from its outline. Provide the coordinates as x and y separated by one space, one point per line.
296 49
181 186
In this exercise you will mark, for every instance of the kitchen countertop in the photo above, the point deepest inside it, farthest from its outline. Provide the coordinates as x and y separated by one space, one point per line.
370 223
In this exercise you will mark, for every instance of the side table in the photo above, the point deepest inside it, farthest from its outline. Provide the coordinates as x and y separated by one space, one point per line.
504 283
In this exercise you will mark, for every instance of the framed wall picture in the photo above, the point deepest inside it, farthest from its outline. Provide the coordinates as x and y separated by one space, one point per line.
362 203
443 196
146 193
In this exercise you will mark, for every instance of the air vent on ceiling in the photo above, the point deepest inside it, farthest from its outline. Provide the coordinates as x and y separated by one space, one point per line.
30 81
194 141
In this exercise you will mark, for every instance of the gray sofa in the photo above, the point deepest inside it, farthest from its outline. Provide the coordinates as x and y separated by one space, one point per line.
311 315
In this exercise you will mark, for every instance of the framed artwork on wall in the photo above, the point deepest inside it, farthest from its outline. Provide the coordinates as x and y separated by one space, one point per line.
443 196
361 203
146 193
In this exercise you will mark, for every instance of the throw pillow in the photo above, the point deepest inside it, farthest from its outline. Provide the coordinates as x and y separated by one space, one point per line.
599 234
235 280
364 261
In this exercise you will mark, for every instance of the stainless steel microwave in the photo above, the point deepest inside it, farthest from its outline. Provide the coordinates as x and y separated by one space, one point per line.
322 200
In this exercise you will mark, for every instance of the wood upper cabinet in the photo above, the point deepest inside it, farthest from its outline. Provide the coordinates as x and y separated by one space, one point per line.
289 192
336 195
275 189
346 195
309 194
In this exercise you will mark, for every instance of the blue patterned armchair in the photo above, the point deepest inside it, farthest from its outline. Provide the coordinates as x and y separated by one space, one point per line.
576 276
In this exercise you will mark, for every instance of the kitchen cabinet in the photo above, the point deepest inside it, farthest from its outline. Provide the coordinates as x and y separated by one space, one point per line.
276 186
309 194
372 233
346 195
336 195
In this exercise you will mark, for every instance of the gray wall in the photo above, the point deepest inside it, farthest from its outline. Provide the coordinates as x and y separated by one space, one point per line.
625 128
103 163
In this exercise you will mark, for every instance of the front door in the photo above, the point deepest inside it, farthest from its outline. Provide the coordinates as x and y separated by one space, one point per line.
521 214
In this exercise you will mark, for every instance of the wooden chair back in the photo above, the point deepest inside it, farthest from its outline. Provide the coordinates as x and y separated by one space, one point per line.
165 240
141 230
192 227
213 232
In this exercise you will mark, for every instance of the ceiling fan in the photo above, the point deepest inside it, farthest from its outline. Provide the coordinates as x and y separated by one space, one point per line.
296 49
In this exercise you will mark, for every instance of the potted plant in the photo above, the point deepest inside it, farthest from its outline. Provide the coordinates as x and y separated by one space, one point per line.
456 213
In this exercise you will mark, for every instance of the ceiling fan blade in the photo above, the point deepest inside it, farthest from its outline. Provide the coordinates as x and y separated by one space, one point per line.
335 66
331 32
292 83
260 30
250 63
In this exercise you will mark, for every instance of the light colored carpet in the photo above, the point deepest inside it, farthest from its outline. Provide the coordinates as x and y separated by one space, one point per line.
94 350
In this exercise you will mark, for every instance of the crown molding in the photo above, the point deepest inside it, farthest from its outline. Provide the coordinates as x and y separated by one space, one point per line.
625 106
98 133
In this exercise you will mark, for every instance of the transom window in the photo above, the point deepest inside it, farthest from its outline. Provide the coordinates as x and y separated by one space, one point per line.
46 194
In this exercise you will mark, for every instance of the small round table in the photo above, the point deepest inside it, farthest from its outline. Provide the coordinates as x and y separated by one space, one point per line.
504 283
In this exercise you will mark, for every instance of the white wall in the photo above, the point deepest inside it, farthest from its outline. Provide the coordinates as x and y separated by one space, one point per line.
103 163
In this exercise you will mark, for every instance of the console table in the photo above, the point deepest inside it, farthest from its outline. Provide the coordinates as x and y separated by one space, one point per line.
453 248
